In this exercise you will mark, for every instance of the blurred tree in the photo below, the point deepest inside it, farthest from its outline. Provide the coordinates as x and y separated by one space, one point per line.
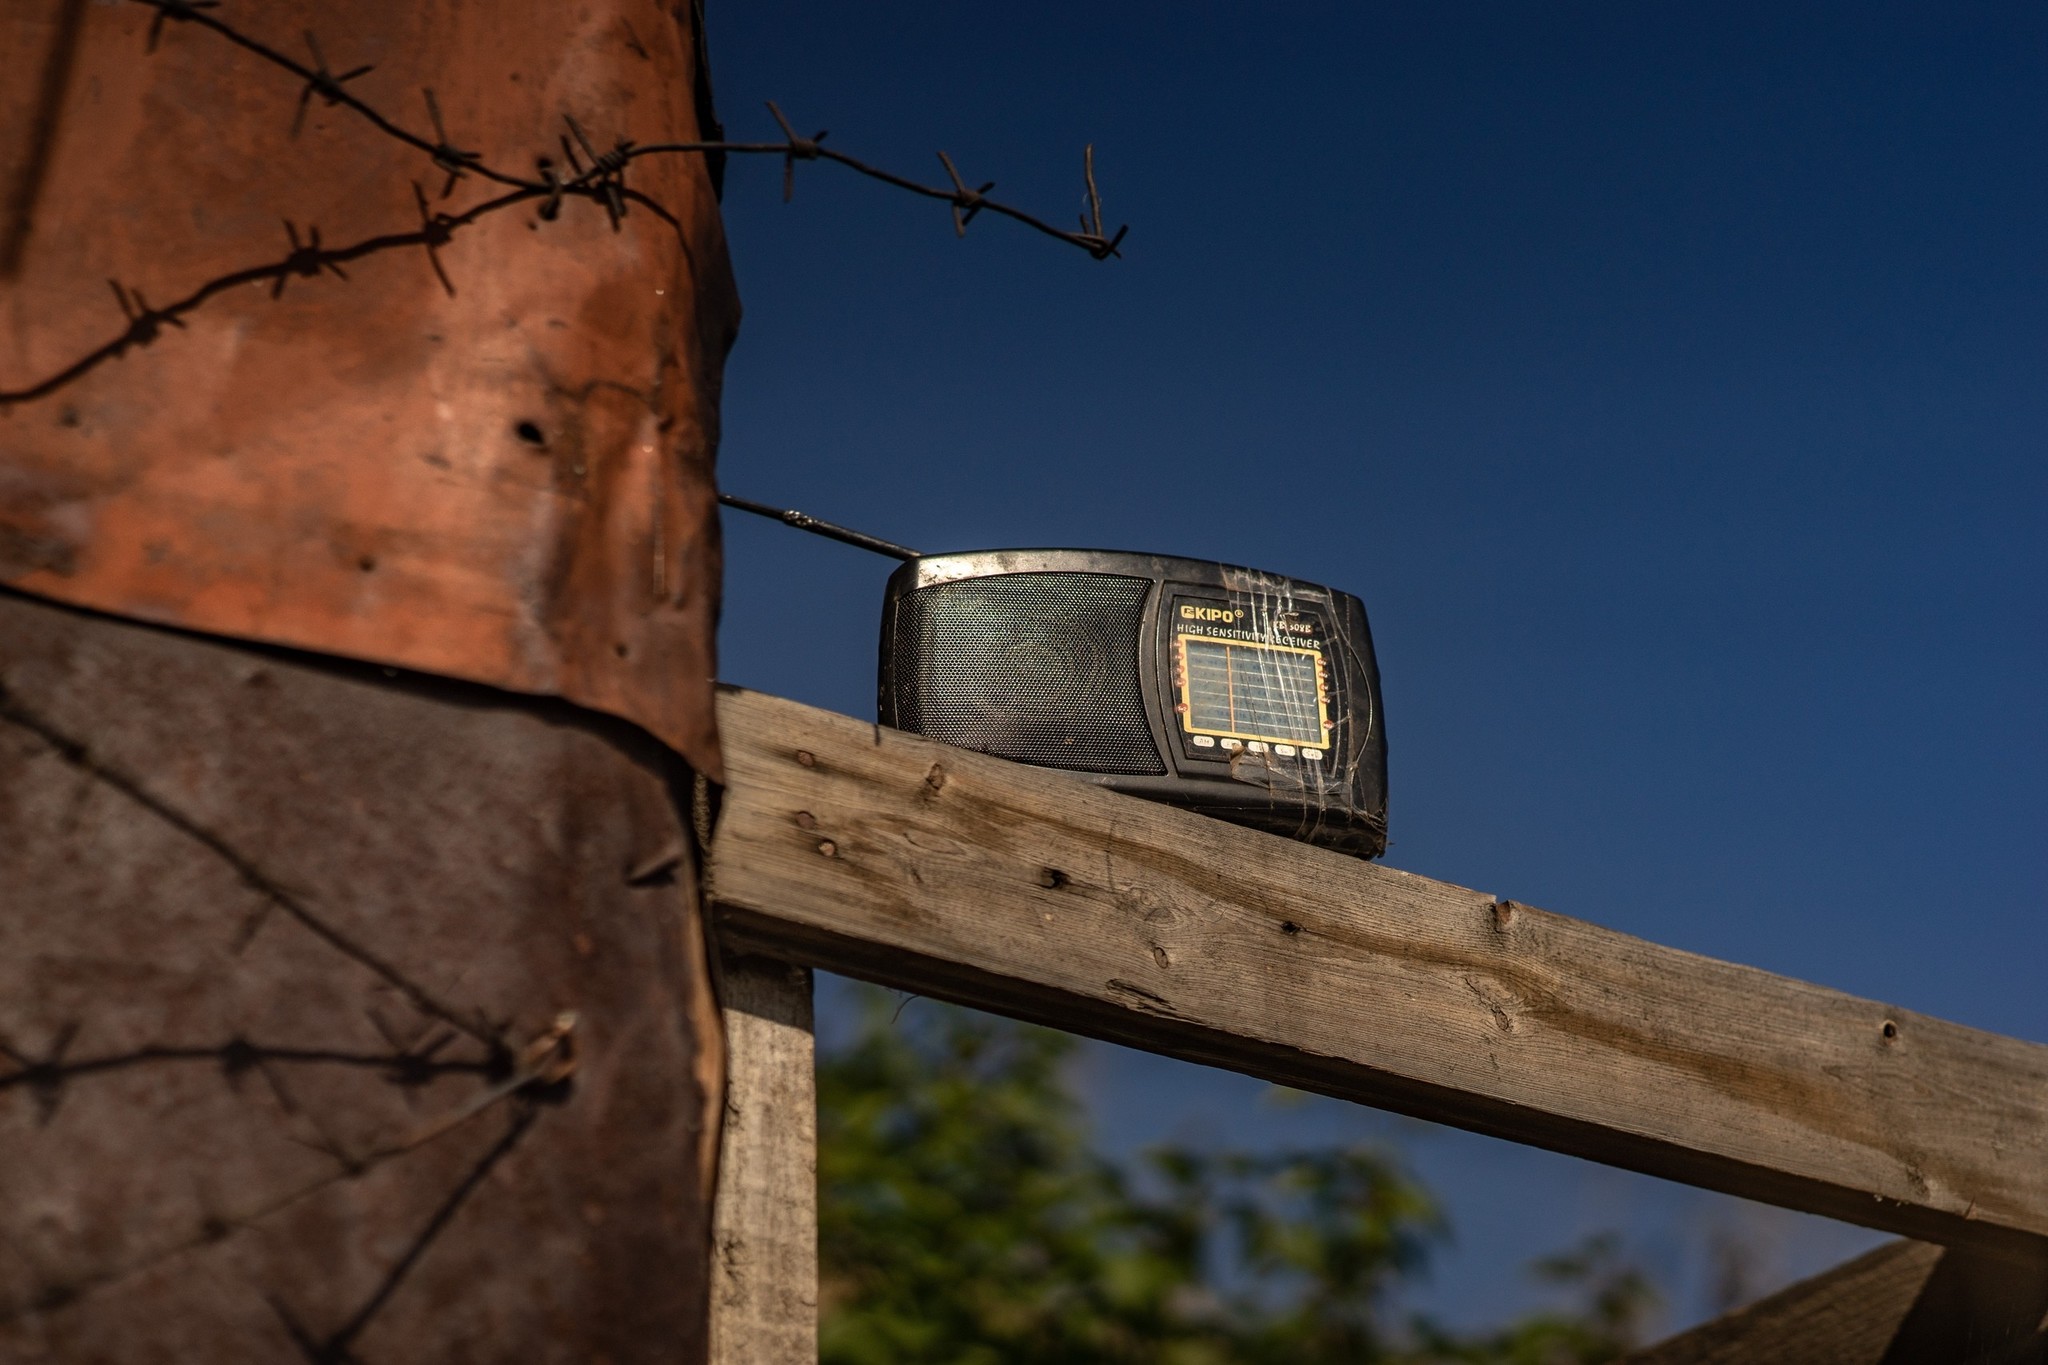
964 1219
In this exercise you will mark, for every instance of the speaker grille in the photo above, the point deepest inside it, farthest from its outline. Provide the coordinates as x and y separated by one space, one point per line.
1038 667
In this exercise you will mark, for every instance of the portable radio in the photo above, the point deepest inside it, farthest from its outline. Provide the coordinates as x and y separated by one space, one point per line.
1243 695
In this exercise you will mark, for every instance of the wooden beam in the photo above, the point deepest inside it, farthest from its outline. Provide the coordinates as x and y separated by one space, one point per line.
1901 1304
1031 893
764 1278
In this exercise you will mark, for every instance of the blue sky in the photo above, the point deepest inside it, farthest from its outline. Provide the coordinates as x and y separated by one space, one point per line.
1670 382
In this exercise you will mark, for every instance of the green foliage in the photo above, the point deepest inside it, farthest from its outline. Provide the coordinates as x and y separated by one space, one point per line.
964 1220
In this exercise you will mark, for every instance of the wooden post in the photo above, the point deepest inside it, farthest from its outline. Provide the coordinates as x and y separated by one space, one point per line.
764 1289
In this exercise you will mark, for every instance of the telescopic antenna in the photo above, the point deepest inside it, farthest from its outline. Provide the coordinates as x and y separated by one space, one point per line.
804 521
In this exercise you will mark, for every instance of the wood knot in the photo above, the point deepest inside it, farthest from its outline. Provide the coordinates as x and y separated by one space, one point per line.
1890 1031
935 780
828 848
1503 914
1152 907
1289 927
806 820
805 758
1496 1004
1052 879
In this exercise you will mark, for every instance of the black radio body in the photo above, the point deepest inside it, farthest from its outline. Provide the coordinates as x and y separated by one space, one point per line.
1240 694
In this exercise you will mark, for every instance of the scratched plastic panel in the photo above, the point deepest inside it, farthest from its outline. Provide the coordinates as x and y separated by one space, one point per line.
1037 667
1253 691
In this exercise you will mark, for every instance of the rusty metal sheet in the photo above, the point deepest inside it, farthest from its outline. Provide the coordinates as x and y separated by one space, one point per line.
286 428
342 1017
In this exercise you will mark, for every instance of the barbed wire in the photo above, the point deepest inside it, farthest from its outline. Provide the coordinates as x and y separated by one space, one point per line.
545 1067
46 1076
597 176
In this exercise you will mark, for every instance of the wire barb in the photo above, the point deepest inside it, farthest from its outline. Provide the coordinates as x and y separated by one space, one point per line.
435 231
45 1075
1091 222
180 10
447 155
796 149
307 258
145 323
322 82
607 173
550 210
966 202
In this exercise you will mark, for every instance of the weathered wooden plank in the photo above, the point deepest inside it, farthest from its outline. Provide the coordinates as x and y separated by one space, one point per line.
764 1288
886 856
1902 1304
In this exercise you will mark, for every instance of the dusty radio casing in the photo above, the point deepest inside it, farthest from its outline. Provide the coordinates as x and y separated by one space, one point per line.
1244 695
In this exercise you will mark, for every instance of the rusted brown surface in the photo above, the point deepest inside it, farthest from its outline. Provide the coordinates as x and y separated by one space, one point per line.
512 485
271 936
